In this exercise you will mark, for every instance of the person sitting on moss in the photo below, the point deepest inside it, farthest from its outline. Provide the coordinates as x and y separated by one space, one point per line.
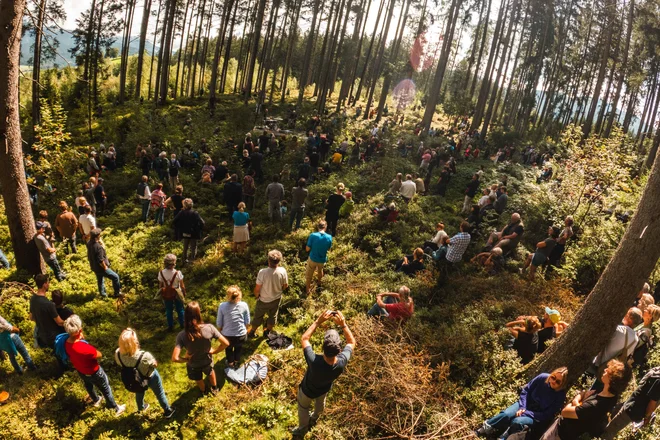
394 306
411 264
543 250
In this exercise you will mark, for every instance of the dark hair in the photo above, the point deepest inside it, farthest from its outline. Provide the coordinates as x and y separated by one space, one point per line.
193 320
159 186
88 209
234 178
276 178
465 226
555 232
302 182
41 279
57 296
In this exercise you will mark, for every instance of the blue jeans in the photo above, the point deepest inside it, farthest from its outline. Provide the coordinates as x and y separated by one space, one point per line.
297 214
160 216
3 260
116 285
170 305
20 347
55 266
507 420
100 379
156 385
376 310
145 209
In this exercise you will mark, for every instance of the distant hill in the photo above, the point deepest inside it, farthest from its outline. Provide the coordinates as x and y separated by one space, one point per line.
66 43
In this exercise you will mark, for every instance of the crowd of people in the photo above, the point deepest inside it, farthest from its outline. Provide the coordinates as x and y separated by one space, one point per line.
59 329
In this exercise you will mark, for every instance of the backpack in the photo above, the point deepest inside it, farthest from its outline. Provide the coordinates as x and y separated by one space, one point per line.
174 169
141 189
132 378
168 292
641 352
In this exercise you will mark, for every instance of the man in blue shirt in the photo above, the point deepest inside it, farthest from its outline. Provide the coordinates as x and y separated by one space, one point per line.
318 245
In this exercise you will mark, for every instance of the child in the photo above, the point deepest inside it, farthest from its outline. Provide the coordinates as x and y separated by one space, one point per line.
283 208
347 206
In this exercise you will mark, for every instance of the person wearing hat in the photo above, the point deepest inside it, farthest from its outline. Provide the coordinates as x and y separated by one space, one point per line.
100 265
48 252
322 370
553 326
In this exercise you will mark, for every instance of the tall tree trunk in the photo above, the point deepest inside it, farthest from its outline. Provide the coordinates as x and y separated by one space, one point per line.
194 48
225 60
36 66
165 63
308 53
184 37
123 69
293 37
205 48
368 56
476 36
143 41
153 51
482 45
378 62
254 52
651 119
622 73
97 56
630 111
12 174
222 31
636 257
653 152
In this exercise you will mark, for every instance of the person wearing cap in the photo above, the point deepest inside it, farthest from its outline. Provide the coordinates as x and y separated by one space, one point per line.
100 265
48 252
553 326
322 370
271 282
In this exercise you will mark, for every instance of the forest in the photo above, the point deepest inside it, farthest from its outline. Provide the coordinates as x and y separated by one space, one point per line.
554 104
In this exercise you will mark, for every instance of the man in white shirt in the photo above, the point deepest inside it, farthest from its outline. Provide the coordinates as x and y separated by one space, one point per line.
624 339
408 188
86 222
271 281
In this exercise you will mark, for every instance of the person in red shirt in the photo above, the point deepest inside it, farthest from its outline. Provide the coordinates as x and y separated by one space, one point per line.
395 306
85 359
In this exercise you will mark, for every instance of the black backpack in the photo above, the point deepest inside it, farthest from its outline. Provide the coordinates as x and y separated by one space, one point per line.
641 352
132 378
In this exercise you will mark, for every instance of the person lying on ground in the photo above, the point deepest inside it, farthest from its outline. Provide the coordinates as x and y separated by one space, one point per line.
525 331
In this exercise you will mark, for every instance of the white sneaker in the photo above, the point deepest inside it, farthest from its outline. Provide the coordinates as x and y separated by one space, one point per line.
98 402
120 410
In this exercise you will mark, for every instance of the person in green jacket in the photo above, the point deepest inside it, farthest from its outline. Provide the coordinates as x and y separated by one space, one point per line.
348 205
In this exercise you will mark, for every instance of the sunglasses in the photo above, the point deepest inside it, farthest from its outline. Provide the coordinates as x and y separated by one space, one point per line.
555 380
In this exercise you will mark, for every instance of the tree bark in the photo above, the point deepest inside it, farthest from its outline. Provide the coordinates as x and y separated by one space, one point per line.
143 41
123 69
302 83
12 174
225 60
184 37
254 52
482 45
630 266
165 63
622 74
36 66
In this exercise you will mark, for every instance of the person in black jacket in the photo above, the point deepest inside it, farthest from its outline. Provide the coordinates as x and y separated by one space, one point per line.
190 224
233 194
470 192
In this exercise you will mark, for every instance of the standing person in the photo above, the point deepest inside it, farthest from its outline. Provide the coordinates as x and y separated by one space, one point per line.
48 252
175 202
173 170
85 359
100 265
88 192
44 314
271 282
66 224
539 401
209 168
233 193
408 189
170 278
191 225
158 204
11 343
470 192
100 197
274 195
249 190
298 195
640 406
162 165
144 194
256 160
305 170
333 204
48 229
196 338
322 370
92 167
318 245
145 163
86 222
232 321
241 229
129 355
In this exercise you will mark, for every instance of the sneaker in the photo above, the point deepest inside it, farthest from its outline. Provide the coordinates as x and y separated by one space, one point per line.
169 413
299 432
98 402
484 431
145 407
214 391
251 335
120 410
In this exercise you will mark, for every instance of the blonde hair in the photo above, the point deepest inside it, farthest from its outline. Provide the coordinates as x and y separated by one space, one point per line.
241 206
234 293
645 301
563 372
128 342
340 187
654 311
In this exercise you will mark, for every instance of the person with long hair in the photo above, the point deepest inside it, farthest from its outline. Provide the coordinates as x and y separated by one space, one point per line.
196 338
232 321
129 355
525 330
539 401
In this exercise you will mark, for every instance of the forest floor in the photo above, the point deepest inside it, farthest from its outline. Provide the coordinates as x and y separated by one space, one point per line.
436 377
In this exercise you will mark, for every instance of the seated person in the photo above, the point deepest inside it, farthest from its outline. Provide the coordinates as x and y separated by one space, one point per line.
411 264
525 331
439 253
395 306
644 332
553 326
487 213
587 412
436 241
387 213
457 245
491 261
543 250
539 401
509 237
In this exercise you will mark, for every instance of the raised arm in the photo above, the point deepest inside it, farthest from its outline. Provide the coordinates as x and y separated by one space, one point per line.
341 321
312 328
